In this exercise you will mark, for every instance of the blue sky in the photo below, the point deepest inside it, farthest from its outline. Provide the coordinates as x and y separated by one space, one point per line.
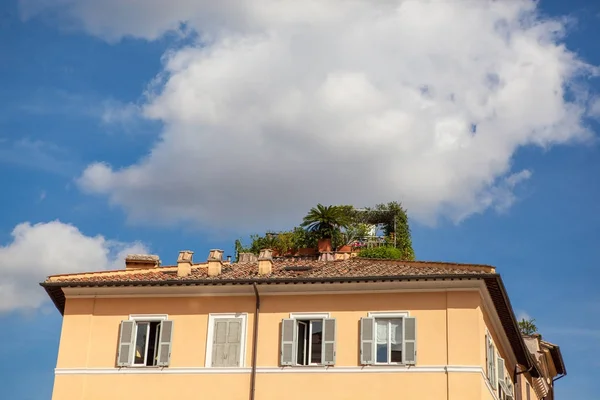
141 129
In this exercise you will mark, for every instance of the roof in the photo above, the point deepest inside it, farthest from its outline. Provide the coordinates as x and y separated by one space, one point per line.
556 355
286 268
298 270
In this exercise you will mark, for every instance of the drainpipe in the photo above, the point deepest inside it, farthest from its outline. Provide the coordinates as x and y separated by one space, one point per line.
254 343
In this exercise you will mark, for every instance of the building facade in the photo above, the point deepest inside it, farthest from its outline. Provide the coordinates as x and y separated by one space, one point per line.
291 328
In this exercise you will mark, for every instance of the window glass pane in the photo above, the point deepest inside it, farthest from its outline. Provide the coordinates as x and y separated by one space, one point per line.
396 353
316 341
396 331
381 325
301 355
140 342
382 352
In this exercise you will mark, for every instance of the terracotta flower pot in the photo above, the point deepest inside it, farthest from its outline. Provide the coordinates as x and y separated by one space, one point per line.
307 251
324 245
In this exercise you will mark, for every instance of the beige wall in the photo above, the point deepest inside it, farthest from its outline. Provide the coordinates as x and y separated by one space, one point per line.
450 331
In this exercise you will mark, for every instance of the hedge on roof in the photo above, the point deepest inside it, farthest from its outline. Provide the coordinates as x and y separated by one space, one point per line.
381 252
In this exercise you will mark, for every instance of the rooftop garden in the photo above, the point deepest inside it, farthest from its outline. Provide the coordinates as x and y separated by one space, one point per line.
375 232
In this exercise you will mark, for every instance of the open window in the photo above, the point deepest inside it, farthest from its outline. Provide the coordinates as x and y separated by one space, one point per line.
388 340
145 343
309 341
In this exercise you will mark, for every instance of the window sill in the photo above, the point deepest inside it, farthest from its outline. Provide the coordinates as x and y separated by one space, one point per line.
144 366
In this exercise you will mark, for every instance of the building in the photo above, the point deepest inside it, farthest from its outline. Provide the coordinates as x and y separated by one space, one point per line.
294 328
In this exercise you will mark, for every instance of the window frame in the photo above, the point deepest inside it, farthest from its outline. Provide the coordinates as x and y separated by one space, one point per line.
146 318
307 319
210 333
386 315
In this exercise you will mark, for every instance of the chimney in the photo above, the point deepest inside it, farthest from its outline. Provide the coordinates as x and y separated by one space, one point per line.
247 258
265 262
214 262
228 259
184 263
141 261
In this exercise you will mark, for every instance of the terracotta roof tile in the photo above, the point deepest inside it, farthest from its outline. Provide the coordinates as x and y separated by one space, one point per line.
282 269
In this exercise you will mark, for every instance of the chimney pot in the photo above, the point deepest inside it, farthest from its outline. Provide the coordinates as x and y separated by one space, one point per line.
215 254
229 259
265 262
184 263
215 258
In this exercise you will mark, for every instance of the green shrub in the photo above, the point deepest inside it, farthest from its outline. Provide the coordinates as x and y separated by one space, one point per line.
381 252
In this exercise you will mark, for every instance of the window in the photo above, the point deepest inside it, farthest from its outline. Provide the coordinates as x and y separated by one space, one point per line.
145 341
388 339
308 340
388 343
226 340
490 360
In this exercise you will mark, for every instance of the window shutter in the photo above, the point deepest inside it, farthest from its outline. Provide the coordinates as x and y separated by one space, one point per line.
409 344
487 357
234 338
219 347
492 365
367 342
126 338
164 344
329 333
288 341
501 376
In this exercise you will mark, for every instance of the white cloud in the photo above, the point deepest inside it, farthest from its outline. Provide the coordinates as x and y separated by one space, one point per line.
594 109
43 249
282 104
523 315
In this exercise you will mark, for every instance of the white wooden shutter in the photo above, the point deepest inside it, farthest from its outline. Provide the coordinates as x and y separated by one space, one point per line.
126 338
409 344
219 347
492 365
367 342
234 339
488 370
288 341
501 376
164 343
329 335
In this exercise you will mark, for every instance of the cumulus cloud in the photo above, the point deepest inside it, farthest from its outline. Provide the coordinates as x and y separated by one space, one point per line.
282 104
43 249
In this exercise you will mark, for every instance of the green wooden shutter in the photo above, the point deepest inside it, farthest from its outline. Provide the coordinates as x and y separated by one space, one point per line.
219 347
329 334
164 344
288 341
234 343
126 338
367 342
409 344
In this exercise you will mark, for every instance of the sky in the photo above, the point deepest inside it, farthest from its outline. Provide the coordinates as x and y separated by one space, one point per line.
130 126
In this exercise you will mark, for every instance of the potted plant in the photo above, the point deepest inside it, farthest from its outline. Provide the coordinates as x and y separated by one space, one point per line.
325 221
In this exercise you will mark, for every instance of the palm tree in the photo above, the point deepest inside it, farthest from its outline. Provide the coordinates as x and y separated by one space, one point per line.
326 220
